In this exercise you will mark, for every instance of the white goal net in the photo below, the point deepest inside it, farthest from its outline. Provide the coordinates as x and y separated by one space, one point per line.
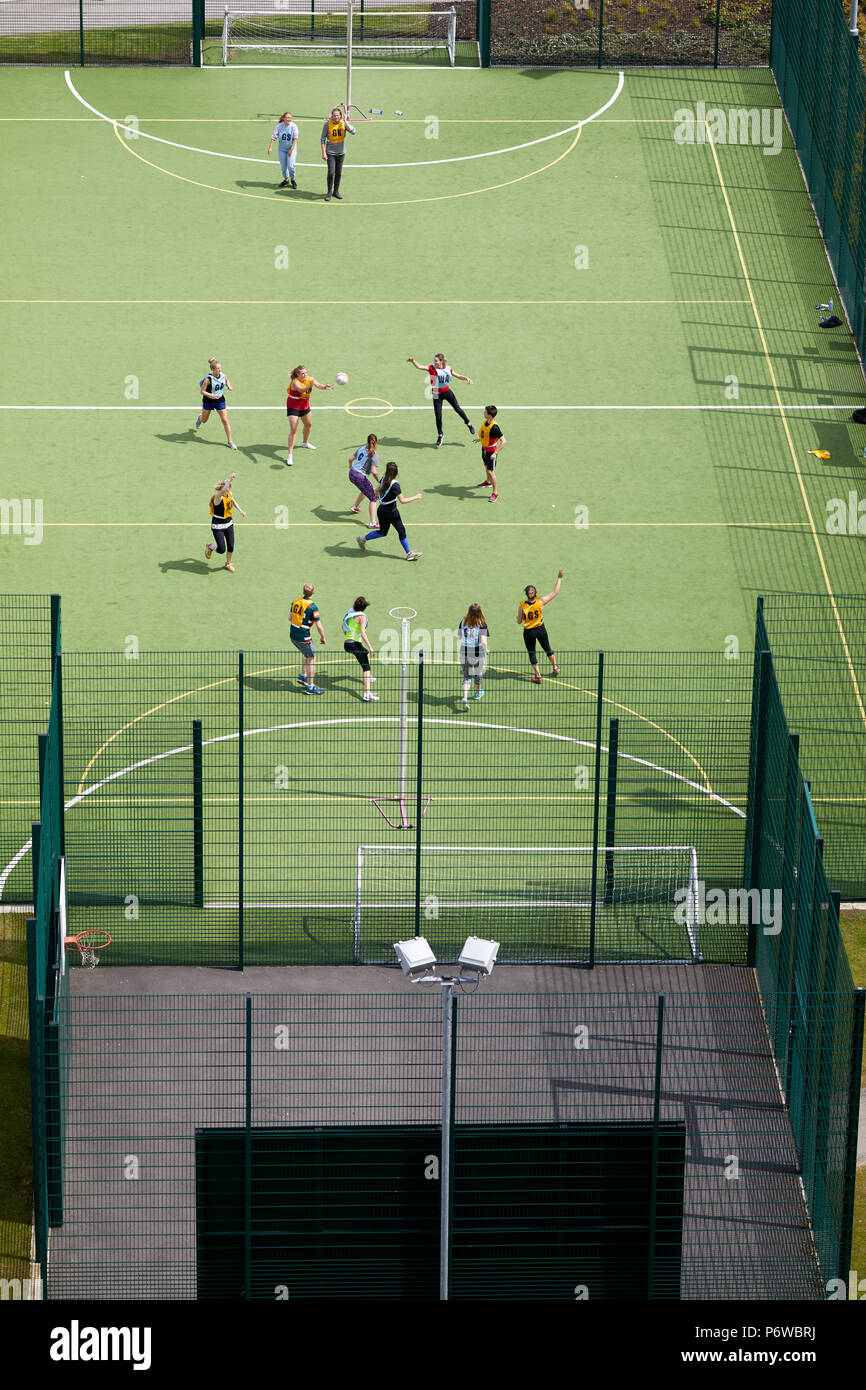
344 33
537 900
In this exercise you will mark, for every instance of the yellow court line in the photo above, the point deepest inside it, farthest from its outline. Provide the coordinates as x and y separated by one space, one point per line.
784 419
388 203
276 670
391 303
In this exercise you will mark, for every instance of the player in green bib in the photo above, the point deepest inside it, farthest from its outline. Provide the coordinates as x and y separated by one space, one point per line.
358 643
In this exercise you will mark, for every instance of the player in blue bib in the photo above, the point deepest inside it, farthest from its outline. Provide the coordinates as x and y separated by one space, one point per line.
286 135
213 397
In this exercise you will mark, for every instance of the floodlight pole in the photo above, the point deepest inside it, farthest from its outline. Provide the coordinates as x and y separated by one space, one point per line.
852 27
449 1002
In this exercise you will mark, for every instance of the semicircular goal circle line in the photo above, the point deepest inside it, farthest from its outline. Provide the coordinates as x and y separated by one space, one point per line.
411 164
380 719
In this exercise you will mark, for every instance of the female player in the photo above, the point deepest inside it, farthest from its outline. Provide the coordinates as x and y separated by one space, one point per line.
334 132
358 643
286 136
298 407
491 439
389 495
440 380
213 397
362 467
530 614
473 652
221 524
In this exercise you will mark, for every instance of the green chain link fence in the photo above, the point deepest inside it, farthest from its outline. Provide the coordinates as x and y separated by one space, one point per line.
816 63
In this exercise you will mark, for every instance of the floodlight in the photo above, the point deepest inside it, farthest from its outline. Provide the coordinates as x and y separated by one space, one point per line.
479 955
414 955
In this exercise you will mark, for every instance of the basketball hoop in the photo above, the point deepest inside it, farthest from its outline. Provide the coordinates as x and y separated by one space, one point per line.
89 943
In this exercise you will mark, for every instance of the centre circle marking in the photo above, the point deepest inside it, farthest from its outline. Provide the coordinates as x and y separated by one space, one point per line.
363 413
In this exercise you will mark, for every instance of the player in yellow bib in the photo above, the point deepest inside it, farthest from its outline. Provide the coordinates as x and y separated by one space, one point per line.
530 615
334 132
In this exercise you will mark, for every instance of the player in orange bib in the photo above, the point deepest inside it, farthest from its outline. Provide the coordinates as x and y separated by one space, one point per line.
530 615
491 439
298 407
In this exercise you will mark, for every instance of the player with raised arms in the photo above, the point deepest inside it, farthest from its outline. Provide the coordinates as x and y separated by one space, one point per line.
298 407
440 380
530 614
213 397
223 528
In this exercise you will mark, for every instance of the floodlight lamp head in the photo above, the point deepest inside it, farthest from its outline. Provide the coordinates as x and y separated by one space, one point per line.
479 955
414 956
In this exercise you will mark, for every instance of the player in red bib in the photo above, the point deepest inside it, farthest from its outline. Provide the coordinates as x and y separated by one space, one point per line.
298 407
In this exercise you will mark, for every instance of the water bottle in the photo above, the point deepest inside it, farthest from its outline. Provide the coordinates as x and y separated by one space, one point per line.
374 112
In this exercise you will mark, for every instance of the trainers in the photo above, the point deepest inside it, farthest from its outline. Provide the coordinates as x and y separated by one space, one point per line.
536 680
355 510
471 429
294 185
284 184
484 484
313 690
198 422
414 555
479 695
439 441
302 680
306 446
339 195
464 703
494 497
208 551
327 197
230 567
231 444
556 670
362 541
289 461
368 695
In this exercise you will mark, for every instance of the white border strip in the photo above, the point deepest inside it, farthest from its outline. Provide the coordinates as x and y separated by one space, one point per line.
411 164
377 405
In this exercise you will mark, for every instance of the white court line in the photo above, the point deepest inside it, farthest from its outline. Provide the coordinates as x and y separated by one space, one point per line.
374 405
362 719
411 164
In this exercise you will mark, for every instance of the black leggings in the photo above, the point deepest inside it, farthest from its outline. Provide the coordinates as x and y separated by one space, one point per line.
386 518
452 400
223 538
533 635
335 172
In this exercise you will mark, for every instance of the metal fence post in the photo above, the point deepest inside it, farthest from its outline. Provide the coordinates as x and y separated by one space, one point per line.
850 1178
248 1147
449 1043
482 21
718 22
197 31
197 816
753 879
81 32
240 810
610 815
418 785
600 33
660 1020
595 812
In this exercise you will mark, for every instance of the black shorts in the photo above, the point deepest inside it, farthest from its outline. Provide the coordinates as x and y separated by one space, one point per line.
303 644
489 460
290 410
224 538
359 652
539 635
